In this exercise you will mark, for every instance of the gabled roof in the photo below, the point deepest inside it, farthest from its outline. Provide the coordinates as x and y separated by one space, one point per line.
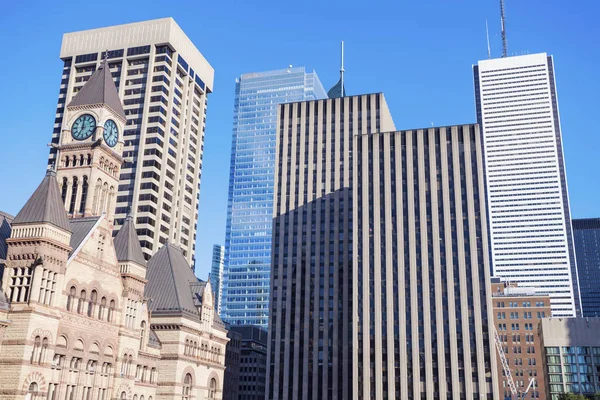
169 278
127 243
100 89
45 205
80 228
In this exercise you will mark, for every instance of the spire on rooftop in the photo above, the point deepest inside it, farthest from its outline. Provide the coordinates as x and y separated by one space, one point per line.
127 243
98 90
338 90
45 205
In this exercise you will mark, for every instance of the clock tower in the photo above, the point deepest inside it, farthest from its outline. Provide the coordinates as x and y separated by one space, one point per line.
90 148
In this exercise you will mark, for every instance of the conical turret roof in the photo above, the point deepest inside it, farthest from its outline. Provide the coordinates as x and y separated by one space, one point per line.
100 89
45 205
127 243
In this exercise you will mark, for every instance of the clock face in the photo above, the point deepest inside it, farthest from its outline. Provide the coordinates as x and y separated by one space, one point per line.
111 133
83 127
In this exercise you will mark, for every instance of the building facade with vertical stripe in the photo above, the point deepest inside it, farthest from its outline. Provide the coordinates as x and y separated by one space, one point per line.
163 81
380 266
528 202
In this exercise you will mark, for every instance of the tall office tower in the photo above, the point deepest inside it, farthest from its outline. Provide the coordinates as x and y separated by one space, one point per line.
587 246
251 175
216 273
528 202
380 279
163 81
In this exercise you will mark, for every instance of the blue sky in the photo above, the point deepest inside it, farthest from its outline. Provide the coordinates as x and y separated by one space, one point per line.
419 53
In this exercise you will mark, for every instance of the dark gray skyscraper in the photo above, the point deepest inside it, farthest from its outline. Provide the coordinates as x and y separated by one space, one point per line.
586 233
380 271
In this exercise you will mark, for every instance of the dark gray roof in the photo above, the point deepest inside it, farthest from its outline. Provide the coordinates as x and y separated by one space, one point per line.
80 228
127 243
45 205
5 222
100 89
169 278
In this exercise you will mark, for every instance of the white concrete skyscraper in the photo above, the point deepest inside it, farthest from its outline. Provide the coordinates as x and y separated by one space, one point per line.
528 202
163 82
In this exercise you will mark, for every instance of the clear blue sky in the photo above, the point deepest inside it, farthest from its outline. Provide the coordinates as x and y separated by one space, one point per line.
419 53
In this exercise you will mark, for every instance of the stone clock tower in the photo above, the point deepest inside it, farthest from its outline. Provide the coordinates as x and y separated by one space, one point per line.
90 148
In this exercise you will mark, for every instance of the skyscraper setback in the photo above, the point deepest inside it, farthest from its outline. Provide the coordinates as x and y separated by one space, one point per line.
246 275
163 81
380 280
528 203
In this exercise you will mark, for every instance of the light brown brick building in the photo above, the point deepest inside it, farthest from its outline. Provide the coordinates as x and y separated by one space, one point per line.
517 315
82 315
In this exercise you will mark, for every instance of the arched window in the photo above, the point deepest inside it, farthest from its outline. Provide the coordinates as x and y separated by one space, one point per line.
81 159
92 303
212 389
129 365
103 197
67 162
185 348
101 308
44 351
33 390
81 304
142 335
73 195
187 387
84 193
35 354
152 377
65 185
144 374
123 396
74 161
89 159
111 311
135 397
71 298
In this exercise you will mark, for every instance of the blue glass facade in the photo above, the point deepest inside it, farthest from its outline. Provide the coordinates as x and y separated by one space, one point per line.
245 297
587 249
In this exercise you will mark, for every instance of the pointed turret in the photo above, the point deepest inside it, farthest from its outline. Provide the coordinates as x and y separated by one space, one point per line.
127 244
45 205
169 282
131 260
100 89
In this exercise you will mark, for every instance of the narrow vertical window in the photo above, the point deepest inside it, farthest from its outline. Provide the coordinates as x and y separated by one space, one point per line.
65 185
84 192
73 195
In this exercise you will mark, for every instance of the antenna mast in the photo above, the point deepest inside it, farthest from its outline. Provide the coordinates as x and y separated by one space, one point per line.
503 22
487 35
342 70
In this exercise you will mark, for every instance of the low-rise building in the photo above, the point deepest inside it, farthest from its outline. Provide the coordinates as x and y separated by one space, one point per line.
517 315
572 355
253 362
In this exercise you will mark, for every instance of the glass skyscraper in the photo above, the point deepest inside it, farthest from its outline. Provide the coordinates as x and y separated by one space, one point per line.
586 233
245 287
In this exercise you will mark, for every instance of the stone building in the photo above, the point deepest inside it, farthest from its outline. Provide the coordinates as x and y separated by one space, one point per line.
82 315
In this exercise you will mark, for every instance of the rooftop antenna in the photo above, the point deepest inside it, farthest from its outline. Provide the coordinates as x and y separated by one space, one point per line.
342 69
503 23
487 35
